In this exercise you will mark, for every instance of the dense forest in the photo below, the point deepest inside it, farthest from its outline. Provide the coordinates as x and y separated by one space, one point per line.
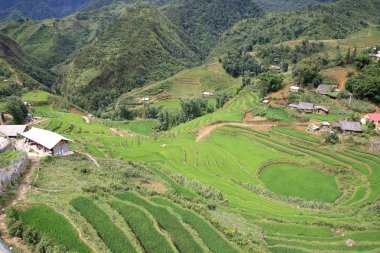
124 57
329 21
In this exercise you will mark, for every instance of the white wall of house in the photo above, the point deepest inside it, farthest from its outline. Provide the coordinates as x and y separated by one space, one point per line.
61 149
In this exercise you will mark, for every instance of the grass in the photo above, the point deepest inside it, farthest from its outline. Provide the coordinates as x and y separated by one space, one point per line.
7 157
112 235
213 239
296 134
36 97
52 224
94 150
182 238
290 180
143 226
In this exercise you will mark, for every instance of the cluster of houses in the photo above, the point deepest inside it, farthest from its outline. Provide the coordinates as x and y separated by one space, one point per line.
375 57
306 107
44 140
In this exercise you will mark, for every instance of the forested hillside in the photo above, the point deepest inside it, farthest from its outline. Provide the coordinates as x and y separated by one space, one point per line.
329 21
38 9
140 46
16 62
203 21
287 5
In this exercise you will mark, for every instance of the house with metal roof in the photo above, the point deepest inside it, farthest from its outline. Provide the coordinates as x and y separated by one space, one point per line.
350 127
50 142
12 131
374 117
306 107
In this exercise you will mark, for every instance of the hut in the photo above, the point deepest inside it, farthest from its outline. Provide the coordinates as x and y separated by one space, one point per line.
294 89
50 142
306 107
321 110
350 127
326 88
207 94
12 131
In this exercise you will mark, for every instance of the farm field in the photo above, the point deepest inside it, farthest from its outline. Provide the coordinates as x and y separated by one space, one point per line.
280 189
185 85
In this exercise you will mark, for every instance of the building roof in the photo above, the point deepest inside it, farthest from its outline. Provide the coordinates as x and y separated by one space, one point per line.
374 116
325 88
12 130
295 87
318 107
350 126
44 137
305 106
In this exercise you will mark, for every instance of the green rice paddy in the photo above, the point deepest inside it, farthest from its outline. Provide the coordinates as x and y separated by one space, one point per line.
296 181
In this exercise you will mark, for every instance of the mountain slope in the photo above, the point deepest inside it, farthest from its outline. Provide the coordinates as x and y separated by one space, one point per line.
27 68
204 21
140 46
38 9
287 5
328 21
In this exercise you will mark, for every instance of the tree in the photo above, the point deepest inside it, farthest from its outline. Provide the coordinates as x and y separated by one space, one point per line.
16 107
339 58
367 84
308 71
270 82
348 56
361 61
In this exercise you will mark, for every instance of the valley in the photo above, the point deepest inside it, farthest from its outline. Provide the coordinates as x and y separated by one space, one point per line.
166 126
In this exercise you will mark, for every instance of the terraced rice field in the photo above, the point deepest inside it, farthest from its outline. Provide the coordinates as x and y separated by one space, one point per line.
257 172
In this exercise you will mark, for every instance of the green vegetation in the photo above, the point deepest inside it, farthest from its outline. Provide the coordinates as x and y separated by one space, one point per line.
49 223
214 241
36 97
16 107
182 238
113 237
296 134
329 21
365 85
291 180
143 227
121 67
7 157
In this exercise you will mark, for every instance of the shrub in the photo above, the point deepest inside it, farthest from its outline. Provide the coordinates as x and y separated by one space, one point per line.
358 105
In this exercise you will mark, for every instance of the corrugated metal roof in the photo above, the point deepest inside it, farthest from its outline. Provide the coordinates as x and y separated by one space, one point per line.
44 137
305 106
12 130
350 126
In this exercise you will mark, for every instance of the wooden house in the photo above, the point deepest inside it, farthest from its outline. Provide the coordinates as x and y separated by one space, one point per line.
321 110
306 107
50 142
350 127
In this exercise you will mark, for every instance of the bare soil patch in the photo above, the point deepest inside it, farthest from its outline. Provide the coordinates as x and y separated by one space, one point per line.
337 75
155 186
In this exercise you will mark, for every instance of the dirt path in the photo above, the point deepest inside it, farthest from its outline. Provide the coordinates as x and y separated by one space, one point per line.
207 130
86 119
114 130
22 191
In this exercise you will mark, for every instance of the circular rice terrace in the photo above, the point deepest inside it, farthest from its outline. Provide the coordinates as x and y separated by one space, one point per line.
296 181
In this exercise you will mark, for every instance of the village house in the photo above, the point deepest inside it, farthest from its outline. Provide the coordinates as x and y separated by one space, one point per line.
374 117
326 88
294 89
50 142
207 94
321 110
12 131
306 107
350 127
325 125
146 99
